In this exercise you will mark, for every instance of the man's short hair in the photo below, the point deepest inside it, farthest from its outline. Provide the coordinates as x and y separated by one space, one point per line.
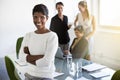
59 3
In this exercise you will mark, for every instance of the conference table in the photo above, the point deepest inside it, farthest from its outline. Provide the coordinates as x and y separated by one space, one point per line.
62 68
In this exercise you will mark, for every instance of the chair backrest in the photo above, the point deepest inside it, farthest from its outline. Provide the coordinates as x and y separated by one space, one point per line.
116 75
10 68
18 45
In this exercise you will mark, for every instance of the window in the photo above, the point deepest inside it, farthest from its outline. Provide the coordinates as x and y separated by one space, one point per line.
109 13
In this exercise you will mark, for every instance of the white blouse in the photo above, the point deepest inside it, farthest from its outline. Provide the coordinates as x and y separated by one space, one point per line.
87 23
40 44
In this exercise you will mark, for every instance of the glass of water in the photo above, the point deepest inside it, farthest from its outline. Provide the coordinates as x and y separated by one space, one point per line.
69 61
78 68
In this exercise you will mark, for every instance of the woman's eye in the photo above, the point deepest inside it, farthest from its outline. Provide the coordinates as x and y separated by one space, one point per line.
42 17
35 17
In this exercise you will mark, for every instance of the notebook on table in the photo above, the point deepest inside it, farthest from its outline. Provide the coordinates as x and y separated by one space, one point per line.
93 67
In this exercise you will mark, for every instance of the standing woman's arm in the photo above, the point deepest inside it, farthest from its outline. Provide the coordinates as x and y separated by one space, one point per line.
76 19
93 28
68 25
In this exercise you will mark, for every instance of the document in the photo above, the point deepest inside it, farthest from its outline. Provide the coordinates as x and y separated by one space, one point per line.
100 74
93 67
57 74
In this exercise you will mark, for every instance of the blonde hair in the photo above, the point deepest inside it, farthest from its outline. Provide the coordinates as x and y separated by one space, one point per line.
84 4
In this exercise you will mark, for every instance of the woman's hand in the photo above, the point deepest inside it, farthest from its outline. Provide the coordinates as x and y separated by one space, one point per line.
66 52
69 26
26 50
32 58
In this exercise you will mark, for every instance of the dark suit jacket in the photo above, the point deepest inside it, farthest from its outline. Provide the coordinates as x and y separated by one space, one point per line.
80 50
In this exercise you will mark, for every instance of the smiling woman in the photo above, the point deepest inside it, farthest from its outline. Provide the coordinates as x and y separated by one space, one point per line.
40 16
16 20
39 20
39 47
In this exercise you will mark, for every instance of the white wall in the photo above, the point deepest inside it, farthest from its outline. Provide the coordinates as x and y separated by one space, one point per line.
107 48
16 20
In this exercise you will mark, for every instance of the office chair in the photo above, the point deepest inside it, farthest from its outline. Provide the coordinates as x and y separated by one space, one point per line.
18 45
11 69
116 75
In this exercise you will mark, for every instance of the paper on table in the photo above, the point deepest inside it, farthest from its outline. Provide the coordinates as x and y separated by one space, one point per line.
57 74
100 74
82 78
93 67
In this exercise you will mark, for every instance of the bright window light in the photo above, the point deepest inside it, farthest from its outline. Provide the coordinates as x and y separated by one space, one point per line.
110 12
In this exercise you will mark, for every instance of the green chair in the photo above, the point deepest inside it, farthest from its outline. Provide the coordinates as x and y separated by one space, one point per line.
18 45
116 75
9 64
11 69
